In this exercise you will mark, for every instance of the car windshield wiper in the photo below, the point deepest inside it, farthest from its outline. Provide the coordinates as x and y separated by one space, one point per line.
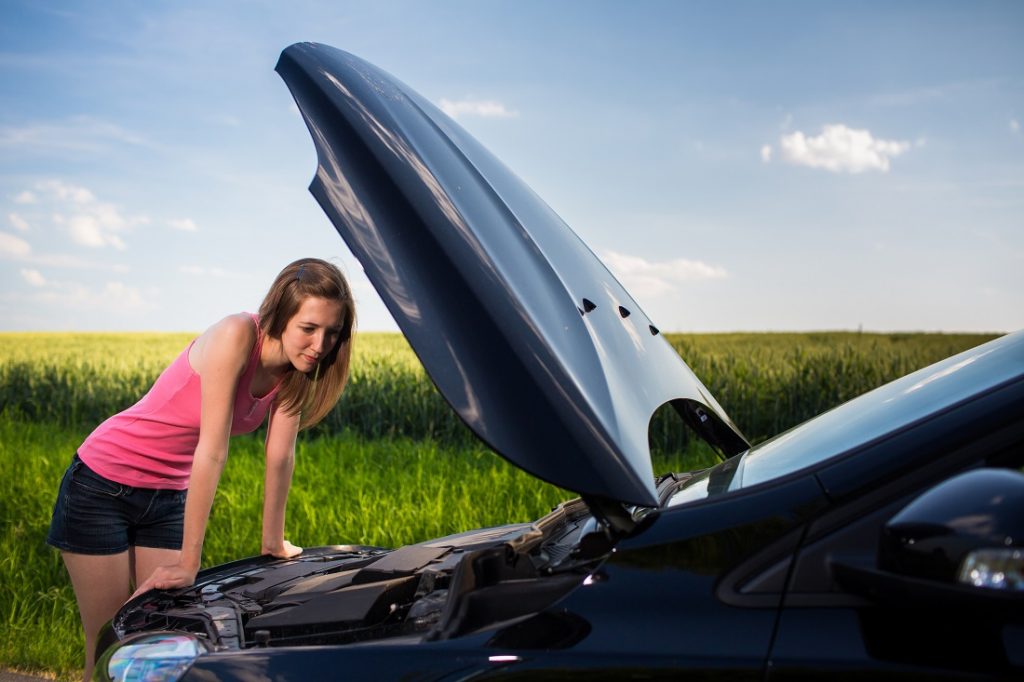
668 484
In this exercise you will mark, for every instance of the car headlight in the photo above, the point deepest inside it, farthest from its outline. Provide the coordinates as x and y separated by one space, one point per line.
152 657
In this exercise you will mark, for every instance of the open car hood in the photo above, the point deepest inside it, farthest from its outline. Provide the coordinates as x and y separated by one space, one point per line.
532 341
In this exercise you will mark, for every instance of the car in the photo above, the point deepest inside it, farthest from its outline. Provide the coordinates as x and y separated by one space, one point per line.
884 537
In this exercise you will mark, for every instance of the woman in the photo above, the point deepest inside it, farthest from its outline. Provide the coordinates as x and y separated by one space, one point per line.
122 515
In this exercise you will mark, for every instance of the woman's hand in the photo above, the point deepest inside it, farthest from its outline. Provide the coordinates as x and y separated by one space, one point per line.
285 550
167 578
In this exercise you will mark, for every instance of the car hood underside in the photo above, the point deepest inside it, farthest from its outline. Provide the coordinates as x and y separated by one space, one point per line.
535 345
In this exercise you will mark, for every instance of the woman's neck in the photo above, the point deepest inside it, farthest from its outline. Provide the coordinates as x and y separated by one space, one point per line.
272 358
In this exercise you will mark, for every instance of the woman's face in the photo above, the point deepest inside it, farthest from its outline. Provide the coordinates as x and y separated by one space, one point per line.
312 332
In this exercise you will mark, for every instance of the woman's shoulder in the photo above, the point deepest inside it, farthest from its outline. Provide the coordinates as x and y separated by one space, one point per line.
240 324
231 339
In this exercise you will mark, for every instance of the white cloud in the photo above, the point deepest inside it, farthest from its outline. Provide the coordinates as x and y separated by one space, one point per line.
13 246
18 222
766 153
476 107
89 221
90 230
184 224
67 193
1014 126
647 278
33 277
25 197
841 149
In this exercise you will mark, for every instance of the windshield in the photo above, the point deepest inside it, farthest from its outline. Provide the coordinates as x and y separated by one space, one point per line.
884 410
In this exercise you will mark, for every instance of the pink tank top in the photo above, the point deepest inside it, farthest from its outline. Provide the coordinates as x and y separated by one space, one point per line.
151 444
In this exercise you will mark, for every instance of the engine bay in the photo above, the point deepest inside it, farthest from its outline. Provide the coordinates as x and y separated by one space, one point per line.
342 594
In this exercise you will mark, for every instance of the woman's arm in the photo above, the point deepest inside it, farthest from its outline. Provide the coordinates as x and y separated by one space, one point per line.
219 356
280 447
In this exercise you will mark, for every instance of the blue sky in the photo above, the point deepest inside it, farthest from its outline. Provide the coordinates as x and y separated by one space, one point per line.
739 165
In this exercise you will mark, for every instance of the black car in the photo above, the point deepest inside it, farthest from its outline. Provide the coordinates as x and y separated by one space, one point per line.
884 537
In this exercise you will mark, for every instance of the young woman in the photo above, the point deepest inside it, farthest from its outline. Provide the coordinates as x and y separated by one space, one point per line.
122 515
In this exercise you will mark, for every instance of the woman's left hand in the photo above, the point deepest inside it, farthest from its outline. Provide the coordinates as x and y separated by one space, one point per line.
168 578
285 550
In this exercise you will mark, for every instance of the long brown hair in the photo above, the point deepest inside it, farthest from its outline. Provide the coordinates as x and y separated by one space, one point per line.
311 395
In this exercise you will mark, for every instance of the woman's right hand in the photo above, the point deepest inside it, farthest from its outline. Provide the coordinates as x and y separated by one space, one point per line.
167 578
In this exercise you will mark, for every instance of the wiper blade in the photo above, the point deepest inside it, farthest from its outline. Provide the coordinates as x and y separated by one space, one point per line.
668 484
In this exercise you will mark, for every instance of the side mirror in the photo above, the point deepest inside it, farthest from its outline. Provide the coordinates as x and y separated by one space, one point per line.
960 544
967 530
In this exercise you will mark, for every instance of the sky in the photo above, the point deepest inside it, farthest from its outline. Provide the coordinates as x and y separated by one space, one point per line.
738 165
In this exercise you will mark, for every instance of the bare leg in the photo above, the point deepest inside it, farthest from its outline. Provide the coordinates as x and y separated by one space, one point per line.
101 585
145 560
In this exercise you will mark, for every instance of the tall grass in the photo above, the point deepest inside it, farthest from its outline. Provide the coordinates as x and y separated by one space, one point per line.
766 382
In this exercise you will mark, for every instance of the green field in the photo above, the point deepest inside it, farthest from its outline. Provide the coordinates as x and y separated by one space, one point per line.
390 466
766 382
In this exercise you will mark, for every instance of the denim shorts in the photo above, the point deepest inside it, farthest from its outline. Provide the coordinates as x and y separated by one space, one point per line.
94 515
